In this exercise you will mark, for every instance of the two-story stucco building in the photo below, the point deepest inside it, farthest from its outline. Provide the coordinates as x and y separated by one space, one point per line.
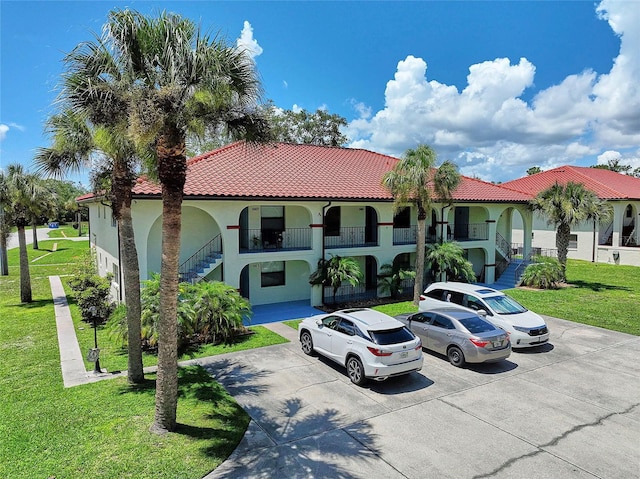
613 241
260 218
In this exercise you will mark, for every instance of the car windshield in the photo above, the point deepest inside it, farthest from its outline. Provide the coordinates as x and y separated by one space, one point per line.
475 324
391 336
505 305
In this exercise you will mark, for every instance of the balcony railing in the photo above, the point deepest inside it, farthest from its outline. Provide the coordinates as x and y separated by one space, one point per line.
265 240
471 232
202 259
350 237
409 235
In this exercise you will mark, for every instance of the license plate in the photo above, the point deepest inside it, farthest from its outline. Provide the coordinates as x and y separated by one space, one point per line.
497 344
404 354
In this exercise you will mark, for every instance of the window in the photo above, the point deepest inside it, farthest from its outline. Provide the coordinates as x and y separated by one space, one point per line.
346 327
421 317
402 219
473 303
116 274
272 274
331 322
391 336
437 294
573 241
332 222
442 322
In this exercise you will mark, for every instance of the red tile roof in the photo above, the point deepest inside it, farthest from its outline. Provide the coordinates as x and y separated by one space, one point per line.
305 171
607 184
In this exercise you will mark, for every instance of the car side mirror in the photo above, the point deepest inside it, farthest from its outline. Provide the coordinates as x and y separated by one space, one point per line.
319 322
482 313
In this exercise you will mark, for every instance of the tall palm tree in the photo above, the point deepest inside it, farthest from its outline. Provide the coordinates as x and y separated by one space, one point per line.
566 206
178 80
74 141
21 189
414 179
5 226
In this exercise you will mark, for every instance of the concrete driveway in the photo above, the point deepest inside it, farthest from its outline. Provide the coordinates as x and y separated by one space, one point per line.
570 408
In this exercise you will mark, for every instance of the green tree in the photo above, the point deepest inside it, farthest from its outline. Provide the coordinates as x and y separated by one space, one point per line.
320 128
20 191
178 80
75 140
335 272
414 179
566 206
447 259
613 164
533 170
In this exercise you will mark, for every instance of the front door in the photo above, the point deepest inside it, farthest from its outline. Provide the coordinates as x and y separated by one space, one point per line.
462 222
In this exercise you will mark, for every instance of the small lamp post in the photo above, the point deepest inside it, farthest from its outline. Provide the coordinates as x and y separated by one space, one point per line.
95 352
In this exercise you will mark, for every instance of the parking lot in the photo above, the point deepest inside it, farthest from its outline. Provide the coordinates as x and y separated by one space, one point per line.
570 408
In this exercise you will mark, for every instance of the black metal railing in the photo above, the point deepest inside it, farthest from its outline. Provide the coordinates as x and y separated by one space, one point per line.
200 260
346 294
503 246
409 235
267 240
350 237
471 232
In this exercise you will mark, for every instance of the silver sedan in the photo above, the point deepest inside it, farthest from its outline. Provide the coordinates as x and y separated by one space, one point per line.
463 336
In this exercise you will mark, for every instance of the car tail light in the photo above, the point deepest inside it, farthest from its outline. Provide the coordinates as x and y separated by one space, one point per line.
422 298
479 342
419 346
379 352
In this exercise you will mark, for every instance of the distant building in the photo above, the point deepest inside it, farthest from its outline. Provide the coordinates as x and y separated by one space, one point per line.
615 241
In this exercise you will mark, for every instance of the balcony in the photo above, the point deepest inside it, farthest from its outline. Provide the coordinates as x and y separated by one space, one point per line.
471 232
267 240
402 236
351 237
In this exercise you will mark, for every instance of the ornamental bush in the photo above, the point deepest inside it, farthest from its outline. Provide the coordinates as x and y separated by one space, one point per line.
544 273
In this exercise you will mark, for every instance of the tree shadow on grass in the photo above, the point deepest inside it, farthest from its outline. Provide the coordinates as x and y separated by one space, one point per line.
596 286
39 303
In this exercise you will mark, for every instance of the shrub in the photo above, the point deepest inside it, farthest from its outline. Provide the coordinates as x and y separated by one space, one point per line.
544 273
90 290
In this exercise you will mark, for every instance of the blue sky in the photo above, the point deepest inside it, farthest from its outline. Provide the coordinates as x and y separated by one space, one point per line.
497 87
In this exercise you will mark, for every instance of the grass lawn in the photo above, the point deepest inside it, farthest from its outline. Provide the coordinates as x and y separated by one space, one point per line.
98 430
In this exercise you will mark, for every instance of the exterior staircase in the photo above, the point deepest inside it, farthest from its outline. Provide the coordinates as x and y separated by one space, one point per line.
511 276
202 262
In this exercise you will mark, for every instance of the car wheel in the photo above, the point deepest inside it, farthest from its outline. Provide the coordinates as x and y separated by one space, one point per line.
355 370
306 341
456 357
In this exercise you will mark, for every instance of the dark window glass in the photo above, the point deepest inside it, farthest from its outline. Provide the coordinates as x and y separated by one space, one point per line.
476 325
436 294
391 336
346 327
421 317
442 322
332 222
272 274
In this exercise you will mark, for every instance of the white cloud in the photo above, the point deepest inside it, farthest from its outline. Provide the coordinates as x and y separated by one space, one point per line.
247 42
3 131
296 109
491 132
285 85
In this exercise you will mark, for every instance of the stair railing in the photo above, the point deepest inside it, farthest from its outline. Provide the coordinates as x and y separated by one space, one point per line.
202 257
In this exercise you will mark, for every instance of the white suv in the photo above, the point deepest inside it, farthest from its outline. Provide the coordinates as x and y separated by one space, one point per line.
525 327
368 343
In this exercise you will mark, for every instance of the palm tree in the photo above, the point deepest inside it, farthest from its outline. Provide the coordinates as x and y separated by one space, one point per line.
177 80
336 271
566 206
20 190
445 180
414 180
447 258
5 226
74 141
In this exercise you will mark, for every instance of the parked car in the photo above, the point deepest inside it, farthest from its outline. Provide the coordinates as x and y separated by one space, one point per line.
370 344
525 327
462 336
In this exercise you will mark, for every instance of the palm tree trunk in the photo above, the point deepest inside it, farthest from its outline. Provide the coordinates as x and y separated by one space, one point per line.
563 235
172 172
4 267
420 245
131 279
34 229
25 278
